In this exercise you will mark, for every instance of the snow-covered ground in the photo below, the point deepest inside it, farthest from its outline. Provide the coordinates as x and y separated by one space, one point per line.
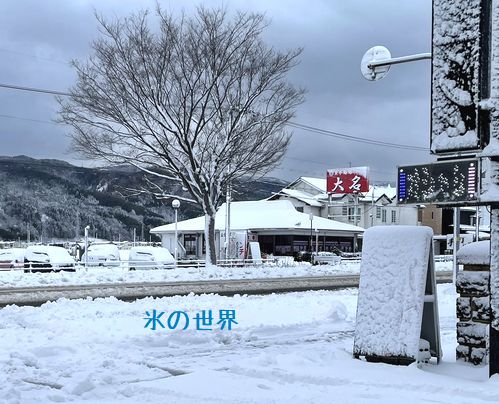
96 275
285 348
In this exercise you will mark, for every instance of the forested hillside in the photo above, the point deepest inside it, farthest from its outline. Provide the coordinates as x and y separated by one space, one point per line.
54 199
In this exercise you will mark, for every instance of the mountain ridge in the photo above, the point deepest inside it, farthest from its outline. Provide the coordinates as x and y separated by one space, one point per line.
50 198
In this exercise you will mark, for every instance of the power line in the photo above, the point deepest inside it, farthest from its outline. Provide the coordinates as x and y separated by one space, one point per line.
297 125
35 90
34 56
20 118
340 135
328 165
321 163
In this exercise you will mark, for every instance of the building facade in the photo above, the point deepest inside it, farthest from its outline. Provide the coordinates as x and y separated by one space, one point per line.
376 207
278 227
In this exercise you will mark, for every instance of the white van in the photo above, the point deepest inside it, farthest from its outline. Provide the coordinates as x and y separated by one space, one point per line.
150 258
102 255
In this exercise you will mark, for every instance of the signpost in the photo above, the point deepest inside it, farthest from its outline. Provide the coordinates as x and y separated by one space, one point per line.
352 180
464 123
397 306
348 180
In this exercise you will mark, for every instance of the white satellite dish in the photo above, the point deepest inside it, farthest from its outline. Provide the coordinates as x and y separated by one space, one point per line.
375 54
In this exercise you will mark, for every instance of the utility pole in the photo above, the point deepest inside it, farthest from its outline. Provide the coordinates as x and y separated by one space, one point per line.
372 208
227 220
456 241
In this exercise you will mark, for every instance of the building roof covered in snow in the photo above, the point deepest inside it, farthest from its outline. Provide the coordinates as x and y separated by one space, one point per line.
320 186
261 215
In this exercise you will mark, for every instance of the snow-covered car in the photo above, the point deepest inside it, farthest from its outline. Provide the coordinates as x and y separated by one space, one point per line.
12 258
48 258
102 255
150 258
325 257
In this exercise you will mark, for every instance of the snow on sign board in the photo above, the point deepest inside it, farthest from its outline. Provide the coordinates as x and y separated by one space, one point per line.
397 303
459 30
451 182
348 180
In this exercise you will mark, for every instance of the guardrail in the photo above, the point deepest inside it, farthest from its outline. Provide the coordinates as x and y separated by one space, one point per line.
277 261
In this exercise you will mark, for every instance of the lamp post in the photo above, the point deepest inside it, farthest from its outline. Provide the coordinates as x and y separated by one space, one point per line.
175 206
311 217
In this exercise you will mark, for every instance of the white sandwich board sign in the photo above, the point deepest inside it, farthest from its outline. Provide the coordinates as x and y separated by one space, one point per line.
397 303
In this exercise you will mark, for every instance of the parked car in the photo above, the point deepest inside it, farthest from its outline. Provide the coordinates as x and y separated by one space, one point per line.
12 258
106 254
150 258
300 256
42 258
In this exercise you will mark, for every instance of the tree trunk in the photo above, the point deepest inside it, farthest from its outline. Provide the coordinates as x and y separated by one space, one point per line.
209 238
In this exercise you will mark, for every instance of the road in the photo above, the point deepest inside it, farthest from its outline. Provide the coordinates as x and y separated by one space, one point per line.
35 296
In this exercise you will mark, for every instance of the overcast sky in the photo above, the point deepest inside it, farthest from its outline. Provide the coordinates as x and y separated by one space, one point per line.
38 38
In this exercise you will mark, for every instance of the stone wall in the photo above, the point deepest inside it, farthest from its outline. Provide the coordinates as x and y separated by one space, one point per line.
473 313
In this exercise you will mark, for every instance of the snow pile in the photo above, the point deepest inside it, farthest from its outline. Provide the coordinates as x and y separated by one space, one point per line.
477 253
391 291
94 275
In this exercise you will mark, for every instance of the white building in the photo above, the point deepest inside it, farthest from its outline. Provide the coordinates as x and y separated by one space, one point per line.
279 228
376 207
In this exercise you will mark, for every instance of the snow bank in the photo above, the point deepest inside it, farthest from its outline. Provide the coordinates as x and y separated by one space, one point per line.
95 275
287 348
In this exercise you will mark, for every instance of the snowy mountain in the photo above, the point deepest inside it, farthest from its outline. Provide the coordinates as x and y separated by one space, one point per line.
54 199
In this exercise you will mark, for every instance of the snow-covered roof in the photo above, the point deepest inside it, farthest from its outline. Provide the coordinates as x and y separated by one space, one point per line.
261 215
319 183
301 196
377 191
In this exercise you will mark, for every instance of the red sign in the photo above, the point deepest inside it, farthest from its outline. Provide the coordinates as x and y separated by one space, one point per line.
347 180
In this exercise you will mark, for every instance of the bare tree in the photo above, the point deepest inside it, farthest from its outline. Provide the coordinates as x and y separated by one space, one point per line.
201 100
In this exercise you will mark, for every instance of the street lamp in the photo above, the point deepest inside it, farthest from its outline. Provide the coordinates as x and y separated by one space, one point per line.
175 206
311 217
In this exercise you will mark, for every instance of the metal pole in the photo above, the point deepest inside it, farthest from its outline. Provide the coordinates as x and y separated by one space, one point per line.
227 223
329 203
356 209
176 238
86 245
494 292
399 60
134 235
311 217
372 209
477 224
455 244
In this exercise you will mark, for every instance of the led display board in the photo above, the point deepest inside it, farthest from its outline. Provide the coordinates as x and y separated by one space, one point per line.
448 182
